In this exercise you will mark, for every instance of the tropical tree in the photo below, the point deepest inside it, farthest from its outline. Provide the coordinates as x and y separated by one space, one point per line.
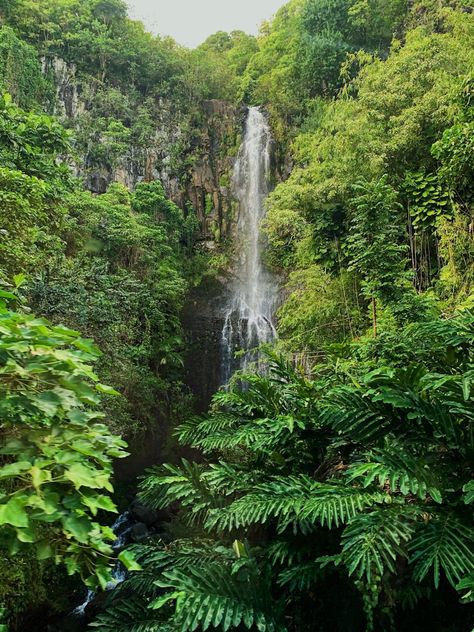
373 244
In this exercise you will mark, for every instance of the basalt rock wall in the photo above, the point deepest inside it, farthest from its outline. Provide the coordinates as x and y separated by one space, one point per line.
190 150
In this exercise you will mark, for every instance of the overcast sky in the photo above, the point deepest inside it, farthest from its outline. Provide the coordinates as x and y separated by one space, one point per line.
191 21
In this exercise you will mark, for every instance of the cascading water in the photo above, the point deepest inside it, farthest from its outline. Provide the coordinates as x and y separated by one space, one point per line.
248 317
121 528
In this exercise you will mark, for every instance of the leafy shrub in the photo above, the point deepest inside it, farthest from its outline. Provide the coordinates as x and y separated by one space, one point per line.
57 454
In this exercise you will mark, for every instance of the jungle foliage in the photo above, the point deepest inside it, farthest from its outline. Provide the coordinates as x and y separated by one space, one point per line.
57 454
359 478
336 494
334 490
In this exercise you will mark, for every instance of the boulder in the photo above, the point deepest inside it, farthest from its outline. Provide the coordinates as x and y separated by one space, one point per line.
144 514
139 532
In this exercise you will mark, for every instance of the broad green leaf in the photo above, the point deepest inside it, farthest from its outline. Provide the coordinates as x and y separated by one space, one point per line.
48 402
99 502
107 390
239 549
164 599
44 550
128 560
13 513
39 476
26 535
82 476
14 469
78 526
104 575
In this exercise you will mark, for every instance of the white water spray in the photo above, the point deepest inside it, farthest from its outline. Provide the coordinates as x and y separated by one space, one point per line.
248 317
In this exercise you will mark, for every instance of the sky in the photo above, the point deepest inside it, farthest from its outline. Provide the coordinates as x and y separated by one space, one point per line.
190 22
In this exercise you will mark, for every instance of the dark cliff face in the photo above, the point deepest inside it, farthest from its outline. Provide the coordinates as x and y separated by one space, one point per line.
209 188
193 154
191 149
203 322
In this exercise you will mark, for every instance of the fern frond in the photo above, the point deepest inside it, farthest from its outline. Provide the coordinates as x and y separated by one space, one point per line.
401 471
229 479
372 542
185 484
180 554
213 596
196 429
411 594
402 403
352 415
281 552
301 577
131 615
295 500
265 436
468 490
251 436
466 587
443 543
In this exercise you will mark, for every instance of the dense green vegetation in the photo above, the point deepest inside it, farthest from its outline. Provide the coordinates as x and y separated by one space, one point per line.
358 478
334 490
56 453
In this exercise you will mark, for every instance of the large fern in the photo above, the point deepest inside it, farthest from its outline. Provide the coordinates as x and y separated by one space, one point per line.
193 585
365 474
445 544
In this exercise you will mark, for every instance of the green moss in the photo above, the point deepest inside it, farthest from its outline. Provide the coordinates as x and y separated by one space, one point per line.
20 71
27 585
225 181
209 204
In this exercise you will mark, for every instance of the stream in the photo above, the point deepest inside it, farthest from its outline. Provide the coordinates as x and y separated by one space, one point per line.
121 527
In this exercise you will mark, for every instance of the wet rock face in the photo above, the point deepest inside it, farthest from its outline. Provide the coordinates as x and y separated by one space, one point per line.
210 188
203 320
139 532
145 515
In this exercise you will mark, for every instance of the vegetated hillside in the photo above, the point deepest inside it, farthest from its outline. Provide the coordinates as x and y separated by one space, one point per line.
333 492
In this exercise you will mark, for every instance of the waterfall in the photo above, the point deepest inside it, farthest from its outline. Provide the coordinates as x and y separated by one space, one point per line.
250 310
